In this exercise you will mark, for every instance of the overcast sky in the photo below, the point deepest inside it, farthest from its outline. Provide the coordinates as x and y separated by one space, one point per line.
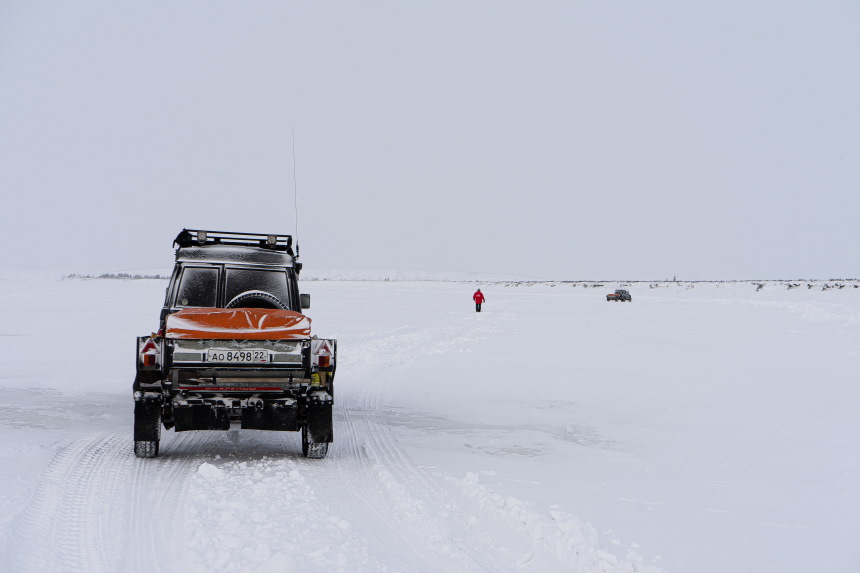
561 140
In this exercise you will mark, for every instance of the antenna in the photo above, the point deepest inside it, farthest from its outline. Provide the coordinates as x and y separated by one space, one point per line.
295 191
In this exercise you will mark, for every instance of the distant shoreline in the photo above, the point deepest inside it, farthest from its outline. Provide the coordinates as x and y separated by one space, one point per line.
824 284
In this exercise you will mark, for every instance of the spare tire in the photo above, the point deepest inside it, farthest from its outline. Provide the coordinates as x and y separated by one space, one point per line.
256 299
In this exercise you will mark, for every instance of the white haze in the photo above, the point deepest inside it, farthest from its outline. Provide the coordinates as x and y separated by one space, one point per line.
561 140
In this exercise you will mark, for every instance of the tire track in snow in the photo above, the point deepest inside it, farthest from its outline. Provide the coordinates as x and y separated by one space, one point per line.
345 481
401 499
98 508
158 487
351 476
451 523
420 502
74 522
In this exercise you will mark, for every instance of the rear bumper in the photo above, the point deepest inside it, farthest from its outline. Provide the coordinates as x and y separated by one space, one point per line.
284 414
272 396
222 413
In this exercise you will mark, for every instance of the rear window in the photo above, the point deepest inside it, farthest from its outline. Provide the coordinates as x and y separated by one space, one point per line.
243 280
198 287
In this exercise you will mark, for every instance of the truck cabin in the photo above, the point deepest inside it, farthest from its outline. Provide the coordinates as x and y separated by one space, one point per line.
216 273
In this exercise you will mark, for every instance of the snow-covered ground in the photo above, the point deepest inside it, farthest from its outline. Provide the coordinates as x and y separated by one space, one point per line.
705 428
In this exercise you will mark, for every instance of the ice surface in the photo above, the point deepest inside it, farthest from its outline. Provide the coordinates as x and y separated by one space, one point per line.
702 428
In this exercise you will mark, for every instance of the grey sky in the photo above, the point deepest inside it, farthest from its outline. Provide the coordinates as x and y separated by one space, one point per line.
563 140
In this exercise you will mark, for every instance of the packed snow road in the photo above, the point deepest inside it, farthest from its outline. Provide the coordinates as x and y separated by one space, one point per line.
705 430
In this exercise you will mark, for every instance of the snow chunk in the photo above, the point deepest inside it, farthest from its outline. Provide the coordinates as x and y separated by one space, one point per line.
210 472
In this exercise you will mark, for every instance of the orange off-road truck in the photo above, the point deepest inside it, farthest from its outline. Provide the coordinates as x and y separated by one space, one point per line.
234 349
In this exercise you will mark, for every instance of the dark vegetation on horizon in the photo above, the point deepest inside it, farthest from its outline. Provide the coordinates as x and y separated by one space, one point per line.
759 284
124 276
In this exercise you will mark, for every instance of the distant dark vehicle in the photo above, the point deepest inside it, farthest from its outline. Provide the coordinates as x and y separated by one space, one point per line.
619 294
234 349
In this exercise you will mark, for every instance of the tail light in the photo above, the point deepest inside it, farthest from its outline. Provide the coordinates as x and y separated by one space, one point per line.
149 353
322 353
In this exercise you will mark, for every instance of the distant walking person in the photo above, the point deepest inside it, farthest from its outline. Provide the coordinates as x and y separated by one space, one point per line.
478 297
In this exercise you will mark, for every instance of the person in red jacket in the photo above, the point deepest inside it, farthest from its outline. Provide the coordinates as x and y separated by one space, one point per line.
478 297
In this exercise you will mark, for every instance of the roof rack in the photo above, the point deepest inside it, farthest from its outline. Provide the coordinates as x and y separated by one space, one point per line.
199 238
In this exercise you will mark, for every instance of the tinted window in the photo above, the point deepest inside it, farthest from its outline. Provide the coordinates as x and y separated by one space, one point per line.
243 280
198 287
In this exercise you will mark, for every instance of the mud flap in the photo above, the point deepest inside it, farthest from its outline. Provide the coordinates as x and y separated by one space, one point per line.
147 416
200 417
319 418
271 415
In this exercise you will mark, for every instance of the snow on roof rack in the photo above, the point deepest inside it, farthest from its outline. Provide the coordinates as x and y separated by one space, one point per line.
198 238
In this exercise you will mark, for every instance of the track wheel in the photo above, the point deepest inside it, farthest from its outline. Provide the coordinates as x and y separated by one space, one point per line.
145 449
313 450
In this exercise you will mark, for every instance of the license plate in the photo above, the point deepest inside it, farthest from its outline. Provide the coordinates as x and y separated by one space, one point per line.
237 356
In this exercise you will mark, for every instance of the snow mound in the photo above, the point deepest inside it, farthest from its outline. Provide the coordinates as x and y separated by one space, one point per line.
245 516
574 541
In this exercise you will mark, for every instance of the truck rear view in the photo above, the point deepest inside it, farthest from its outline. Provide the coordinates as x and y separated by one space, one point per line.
234 349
